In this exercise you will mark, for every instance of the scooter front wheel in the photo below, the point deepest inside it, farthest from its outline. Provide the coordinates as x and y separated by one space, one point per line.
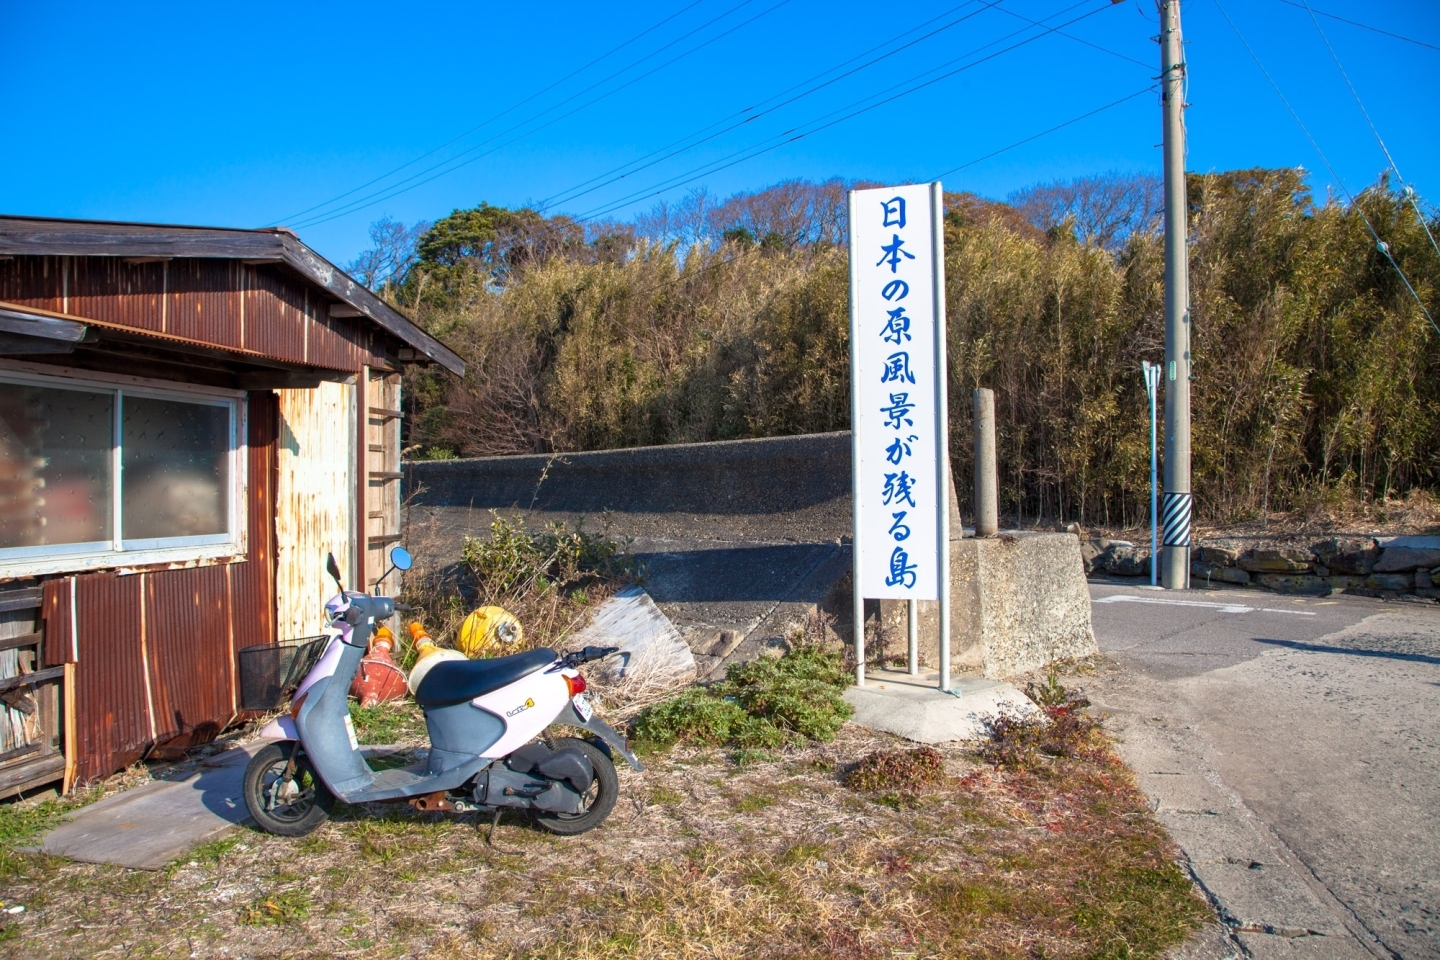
599 799
286 804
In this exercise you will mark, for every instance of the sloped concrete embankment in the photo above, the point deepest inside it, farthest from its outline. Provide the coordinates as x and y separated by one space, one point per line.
744 539
740 539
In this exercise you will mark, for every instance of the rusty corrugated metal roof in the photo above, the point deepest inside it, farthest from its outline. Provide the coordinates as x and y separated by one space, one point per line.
39 236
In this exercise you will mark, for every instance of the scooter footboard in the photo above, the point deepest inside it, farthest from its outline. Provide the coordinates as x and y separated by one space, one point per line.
570 717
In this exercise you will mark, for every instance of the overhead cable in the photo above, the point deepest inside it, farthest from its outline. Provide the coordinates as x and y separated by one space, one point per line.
752 113
1364 26
575 192
1380 245
1407 191
1045 133
784 138
396 189
508 110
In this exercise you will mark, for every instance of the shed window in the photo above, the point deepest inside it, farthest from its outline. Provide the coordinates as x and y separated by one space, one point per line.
100 473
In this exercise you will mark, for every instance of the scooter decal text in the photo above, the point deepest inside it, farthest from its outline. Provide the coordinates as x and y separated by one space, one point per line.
521 709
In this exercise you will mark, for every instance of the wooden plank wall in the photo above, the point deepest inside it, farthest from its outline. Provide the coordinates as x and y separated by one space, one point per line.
30 713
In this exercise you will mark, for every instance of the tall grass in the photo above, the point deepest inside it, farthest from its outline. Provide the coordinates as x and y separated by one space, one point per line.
1314 368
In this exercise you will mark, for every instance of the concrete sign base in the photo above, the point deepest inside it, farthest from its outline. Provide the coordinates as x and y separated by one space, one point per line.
916 709
1017 602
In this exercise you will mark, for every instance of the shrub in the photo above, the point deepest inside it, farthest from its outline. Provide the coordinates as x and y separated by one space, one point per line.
905 770
798 692
761 705
1062 729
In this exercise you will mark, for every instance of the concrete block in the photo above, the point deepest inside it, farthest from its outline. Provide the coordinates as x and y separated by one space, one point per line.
1398 559
1295 583
1207 572
1400 582
916 709
1284 560
1218 556
1017 602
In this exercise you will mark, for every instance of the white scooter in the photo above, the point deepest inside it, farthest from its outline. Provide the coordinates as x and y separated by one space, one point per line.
481 715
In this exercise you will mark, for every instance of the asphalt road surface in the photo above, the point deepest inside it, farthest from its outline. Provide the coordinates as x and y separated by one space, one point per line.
1292 748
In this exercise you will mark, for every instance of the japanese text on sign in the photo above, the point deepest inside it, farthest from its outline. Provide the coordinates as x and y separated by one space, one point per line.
898 477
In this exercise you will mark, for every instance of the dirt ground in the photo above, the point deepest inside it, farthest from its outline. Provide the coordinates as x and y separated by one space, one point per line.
703 857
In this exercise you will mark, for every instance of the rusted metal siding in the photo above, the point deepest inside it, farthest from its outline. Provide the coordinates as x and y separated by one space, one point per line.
220 302
156 650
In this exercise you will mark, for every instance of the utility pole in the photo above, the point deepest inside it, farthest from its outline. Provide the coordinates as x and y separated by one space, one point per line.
1175 573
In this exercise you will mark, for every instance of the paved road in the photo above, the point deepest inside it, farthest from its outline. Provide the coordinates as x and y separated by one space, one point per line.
1292 747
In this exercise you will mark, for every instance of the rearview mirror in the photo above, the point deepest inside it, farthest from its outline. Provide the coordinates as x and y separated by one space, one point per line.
401 559
333 569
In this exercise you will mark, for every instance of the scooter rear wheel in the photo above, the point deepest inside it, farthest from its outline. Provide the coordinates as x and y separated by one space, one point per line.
290 807
599 799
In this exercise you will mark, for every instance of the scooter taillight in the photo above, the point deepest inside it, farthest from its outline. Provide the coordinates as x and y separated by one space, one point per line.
576 684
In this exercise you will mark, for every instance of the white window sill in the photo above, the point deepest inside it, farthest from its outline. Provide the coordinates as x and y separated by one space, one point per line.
129 561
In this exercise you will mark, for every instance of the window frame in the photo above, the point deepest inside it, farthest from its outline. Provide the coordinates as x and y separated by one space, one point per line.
134 553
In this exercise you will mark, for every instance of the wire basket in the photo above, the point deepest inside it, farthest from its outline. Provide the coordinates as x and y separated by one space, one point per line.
270 672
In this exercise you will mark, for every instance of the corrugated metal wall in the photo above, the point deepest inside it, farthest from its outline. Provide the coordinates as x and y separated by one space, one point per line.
316 460
220 302
154 652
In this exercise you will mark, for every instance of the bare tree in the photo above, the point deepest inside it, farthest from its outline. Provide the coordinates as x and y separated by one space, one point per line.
1103 211
393 253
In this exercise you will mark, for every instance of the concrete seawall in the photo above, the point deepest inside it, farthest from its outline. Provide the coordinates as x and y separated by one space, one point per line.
771 490
741 540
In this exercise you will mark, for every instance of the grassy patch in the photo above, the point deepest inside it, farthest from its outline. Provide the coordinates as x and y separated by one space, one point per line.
394 722
761 705
277 908
773 858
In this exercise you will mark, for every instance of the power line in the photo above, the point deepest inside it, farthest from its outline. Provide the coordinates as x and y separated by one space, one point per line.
1380 245
396 189
1408 192
561 196
755 150
1362 26
575 192
994 153
511 109
1046 133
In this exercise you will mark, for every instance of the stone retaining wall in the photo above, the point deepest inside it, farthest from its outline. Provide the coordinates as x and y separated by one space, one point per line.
1366 566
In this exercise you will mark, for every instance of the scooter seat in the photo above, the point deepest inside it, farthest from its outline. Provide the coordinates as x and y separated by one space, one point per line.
456 681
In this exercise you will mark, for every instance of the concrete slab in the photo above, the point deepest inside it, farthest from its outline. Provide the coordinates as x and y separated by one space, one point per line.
156 822
654 656
916 709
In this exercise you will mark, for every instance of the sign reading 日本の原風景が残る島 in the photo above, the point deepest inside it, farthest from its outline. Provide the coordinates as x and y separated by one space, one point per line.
898 393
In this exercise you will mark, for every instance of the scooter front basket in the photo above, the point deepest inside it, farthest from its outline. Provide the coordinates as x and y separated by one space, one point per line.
270 672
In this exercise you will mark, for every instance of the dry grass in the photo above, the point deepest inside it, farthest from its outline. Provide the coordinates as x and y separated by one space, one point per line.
702 858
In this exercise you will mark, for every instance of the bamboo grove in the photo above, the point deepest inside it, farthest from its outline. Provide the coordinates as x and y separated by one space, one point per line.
1314 367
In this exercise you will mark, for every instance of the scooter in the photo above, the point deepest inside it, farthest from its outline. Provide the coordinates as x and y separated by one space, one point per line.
482 716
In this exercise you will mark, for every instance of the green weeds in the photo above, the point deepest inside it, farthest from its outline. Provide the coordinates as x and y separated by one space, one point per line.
761 705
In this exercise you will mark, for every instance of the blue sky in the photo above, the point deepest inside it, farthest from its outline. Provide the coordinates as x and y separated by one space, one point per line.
246 115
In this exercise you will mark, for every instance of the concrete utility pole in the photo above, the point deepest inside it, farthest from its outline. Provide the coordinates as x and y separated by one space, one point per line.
987 498
1175 572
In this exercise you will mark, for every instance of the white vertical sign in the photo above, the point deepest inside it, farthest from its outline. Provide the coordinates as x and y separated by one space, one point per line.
899 403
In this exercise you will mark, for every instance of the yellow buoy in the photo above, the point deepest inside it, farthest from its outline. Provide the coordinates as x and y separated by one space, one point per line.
489 631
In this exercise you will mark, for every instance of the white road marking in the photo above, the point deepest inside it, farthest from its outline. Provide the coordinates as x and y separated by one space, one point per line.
1222 607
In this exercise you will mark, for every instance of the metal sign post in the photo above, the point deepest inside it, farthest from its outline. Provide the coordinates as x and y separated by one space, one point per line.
1152 385
899 406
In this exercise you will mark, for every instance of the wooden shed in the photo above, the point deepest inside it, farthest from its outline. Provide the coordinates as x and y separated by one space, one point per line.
190 419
